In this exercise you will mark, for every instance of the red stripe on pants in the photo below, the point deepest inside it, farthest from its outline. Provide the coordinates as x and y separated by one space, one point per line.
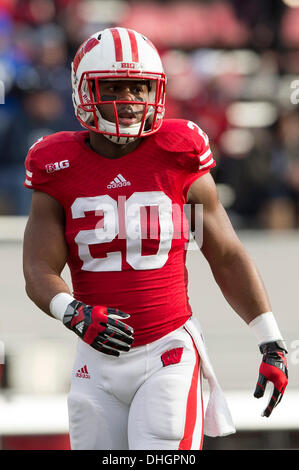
191 409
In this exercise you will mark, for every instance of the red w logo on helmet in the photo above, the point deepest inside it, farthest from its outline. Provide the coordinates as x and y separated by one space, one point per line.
85 47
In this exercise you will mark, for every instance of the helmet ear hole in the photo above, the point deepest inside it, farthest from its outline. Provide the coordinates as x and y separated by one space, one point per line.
93 89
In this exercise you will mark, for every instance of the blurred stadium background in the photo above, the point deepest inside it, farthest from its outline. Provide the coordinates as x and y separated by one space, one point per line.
233 68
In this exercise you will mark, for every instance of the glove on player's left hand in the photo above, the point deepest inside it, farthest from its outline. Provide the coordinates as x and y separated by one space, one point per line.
274 369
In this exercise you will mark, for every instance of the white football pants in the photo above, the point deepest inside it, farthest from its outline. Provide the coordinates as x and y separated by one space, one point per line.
147 398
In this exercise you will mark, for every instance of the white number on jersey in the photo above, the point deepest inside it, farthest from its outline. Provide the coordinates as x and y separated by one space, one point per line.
192 126
107 206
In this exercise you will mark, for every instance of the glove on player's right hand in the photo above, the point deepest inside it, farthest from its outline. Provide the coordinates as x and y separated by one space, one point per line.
99 327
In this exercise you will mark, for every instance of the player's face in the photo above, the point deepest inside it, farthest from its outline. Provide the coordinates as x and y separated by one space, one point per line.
130 90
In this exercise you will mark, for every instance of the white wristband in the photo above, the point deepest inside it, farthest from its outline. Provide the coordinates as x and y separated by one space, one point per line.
265 328
59 303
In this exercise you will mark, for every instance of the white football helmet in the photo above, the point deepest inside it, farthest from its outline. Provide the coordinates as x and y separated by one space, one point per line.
117 54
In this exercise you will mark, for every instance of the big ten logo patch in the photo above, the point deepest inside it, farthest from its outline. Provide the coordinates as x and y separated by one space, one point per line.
51 167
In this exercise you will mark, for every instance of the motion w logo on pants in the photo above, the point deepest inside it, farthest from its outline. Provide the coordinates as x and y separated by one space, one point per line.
173 356
83 373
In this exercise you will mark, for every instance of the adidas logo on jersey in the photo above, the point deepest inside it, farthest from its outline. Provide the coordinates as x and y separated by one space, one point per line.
83 373
118 182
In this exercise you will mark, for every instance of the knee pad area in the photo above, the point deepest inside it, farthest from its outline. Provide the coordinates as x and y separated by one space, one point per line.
80 404
159 415
83 421
96 424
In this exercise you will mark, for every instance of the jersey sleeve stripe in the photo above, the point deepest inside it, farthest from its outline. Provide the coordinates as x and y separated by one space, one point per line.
206 160
29 173
205 155
28 182
210 162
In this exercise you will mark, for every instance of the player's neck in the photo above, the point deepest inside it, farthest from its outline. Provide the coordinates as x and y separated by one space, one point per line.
101 145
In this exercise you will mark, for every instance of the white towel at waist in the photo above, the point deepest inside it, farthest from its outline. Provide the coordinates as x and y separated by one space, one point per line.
218 420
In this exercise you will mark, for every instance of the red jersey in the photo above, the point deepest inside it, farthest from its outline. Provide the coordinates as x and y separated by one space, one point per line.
125 223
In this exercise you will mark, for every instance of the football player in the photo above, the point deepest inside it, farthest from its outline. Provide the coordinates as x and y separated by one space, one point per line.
109 201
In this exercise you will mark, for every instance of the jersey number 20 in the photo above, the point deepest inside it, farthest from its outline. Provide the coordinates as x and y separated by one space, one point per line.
110 229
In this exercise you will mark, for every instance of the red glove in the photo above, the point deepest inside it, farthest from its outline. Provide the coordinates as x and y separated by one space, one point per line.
274 369
99 327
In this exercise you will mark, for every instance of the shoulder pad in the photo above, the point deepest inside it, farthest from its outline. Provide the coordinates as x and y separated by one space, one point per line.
188 144
58 138
44 156
179 135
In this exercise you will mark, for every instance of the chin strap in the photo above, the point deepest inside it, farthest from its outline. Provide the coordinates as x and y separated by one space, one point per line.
108 126
120 140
